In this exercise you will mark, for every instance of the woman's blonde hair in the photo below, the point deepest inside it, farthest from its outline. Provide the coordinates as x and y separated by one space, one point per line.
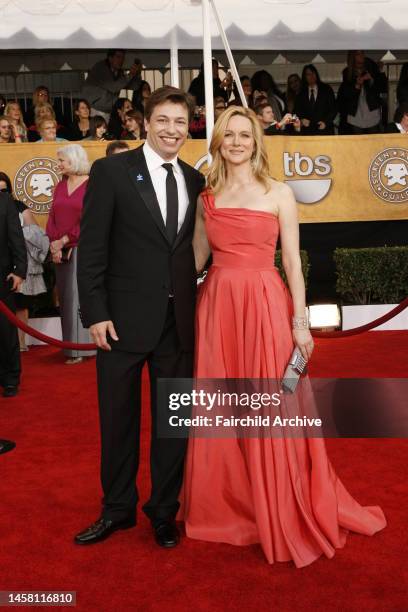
39 113
217 172
77 157
21 126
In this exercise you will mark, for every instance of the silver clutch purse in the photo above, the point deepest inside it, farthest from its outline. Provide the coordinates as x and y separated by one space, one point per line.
295 368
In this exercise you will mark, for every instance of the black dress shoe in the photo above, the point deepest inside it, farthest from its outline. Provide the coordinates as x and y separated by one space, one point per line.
166 534
10 391
6 446
102 529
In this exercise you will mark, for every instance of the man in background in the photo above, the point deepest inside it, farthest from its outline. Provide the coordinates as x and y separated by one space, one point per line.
105 81
13 268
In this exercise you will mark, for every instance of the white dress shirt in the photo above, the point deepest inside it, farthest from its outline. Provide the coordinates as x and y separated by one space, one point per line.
158 174
314 90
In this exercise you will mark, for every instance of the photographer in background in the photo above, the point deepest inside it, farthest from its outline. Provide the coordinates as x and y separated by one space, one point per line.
287 125
13 266
105 81
359 97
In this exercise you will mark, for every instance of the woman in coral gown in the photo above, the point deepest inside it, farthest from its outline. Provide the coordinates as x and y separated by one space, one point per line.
280 492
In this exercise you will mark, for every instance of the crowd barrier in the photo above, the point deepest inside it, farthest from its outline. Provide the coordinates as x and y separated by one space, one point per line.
334 178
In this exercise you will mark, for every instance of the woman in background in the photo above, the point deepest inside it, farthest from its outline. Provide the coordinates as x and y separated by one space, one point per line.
14 114
79 128
141 95
98 128
63 228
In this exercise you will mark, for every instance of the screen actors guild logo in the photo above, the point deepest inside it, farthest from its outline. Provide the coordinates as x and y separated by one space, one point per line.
388 174
34 183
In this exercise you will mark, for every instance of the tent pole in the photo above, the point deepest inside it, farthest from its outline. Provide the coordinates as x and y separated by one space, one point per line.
229 55
208 77
174 63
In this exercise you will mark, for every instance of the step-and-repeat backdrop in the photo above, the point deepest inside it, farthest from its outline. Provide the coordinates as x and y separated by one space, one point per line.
334 178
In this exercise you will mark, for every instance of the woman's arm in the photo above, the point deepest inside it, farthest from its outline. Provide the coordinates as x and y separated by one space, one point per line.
201 247
29 218
289 234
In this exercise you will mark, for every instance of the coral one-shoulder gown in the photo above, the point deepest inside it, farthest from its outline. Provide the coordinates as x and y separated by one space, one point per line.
280 492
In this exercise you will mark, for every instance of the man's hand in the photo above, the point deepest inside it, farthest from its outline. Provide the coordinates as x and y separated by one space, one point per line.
99 332
305 122
17 280
321 125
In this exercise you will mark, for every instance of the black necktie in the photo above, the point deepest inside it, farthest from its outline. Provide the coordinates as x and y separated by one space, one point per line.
172 204
312 97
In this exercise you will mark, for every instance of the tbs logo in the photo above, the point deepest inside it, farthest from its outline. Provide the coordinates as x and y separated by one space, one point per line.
307 191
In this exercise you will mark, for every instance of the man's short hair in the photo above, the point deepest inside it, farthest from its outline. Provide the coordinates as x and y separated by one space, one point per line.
259 108
116 145
169 94
111 52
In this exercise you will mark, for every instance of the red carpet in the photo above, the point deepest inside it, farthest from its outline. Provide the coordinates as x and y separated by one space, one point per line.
49 489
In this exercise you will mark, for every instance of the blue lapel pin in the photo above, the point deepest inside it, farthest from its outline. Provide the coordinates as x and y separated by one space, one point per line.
139 177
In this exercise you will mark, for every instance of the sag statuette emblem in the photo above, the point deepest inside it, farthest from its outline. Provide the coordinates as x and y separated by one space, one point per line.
388 175
34 183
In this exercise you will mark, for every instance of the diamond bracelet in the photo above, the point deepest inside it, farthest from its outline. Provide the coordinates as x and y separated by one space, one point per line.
300 322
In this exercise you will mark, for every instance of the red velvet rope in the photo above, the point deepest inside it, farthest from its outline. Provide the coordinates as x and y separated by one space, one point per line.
89 347
40 336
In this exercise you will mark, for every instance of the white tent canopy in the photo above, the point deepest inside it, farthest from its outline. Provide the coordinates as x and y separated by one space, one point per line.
159 24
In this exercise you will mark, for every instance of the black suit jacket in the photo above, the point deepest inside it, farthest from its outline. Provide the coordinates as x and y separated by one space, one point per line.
324 109
391 128
13 253
126 266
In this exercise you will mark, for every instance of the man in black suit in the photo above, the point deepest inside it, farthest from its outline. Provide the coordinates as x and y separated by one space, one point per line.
13 266
315 105
137 285
400 123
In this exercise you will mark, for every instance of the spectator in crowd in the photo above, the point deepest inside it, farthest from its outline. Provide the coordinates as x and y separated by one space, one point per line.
116 146
400 123
13 264
268 122
43 110
141 95
359 97
5 130
402 87
47 129
221 88
3 103
98 128
116 124
63 228
41 95
293 87
197 127
219 107
79 128
105 81
15 116
37 245
134 126
263 82
247 88
315 105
